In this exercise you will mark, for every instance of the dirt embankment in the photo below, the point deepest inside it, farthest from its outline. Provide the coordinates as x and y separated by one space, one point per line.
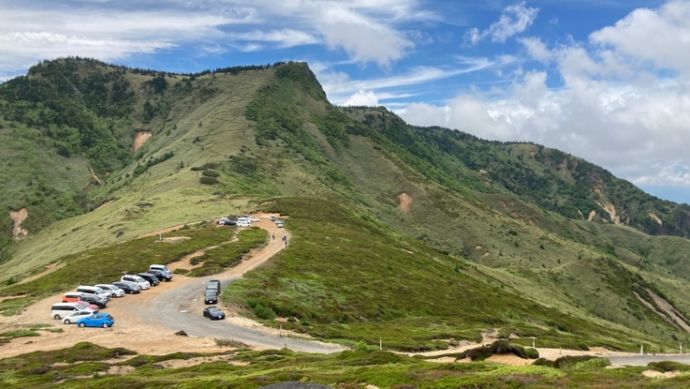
18 217
405 202
140 138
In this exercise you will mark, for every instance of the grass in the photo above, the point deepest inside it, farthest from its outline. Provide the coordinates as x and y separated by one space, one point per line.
348 279
86 366
230 254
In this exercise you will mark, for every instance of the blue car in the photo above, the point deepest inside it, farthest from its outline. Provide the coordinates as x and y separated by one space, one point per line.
100 319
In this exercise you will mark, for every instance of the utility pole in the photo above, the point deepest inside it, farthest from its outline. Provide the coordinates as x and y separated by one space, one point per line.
380 344
642 349
160 236
680 345
534 342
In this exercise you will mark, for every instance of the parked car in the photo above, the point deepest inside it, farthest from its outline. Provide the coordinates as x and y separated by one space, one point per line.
71 297
87 289
226 221
100 319
213 313
160 275
214 284
164 269
210 296
140 282
152 279
62 310
128 287
280 224
98 301
254 219
273 218
117 292
84 305
74 317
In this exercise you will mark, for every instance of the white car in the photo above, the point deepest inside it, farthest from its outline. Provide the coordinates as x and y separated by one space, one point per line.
106 294
140 282
72 318
117 292
162 268
280 224
62 310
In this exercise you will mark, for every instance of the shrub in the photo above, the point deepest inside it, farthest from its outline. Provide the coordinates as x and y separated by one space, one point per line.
665 366
499 347
206 180
230 343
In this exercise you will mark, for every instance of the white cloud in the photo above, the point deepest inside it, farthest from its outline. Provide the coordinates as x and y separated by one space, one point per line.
366 31
283 38
536 49
514 20
361 38
362 98
339 87
660 37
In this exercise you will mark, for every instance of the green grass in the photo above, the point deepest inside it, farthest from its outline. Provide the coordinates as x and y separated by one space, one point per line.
86 366
346 278
229 254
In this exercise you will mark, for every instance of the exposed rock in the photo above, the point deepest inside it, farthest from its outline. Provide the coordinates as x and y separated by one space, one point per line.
18 217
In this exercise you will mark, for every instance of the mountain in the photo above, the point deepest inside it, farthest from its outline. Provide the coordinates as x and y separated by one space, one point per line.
409 234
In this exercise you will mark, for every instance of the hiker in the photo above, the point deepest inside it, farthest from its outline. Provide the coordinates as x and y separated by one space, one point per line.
273 237
285 239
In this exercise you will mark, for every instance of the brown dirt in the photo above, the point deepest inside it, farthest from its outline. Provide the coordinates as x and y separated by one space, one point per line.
405 202
509 359
95 178
140 138
131 331
174 239
658 374
670 311
655 218
180 363
592 215
611 211
18 217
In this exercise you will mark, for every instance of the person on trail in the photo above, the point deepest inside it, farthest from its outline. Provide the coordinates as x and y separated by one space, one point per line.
285 239
273 236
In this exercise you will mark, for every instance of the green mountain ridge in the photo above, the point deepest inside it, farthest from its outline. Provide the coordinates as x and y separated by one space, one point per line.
510 221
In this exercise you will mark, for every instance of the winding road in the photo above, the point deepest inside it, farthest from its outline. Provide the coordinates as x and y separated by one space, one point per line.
180 307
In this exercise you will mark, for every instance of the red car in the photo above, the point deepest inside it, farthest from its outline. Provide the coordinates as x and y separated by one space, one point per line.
72 297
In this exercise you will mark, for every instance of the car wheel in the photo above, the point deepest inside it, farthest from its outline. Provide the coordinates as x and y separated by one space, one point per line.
56 317
105 325
81 325
67 321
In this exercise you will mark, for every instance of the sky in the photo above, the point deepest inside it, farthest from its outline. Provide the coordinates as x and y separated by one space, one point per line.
605 80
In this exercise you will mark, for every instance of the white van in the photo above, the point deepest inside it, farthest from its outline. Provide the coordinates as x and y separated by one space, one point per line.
140 282
94 290
58 311
162 268
244 220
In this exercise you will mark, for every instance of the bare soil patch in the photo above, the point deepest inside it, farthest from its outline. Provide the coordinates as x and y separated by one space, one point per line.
509 359
140 138
405 202
658 374
18 217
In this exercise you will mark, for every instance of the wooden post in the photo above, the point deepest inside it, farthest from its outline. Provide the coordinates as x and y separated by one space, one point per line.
380 344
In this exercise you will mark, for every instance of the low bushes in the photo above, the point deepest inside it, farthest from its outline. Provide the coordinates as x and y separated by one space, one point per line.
665 366
499 347
580 362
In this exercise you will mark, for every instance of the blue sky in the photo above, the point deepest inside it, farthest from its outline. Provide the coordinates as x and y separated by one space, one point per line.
604 80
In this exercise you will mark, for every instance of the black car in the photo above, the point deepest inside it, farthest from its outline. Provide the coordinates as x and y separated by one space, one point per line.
210 296
151 278
213 284
160 275
92 299
214 313
129 289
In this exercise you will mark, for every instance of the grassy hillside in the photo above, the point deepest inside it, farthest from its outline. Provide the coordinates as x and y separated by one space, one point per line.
420 234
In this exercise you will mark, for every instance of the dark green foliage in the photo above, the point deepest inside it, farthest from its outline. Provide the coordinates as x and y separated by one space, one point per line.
152 161
665 366
206 180
499 347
